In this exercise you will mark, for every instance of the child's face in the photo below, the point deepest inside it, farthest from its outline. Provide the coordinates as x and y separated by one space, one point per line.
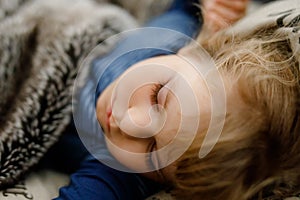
148 108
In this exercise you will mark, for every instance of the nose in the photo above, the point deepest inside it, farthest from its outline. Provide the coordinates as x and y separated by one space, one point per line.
139 116
140 122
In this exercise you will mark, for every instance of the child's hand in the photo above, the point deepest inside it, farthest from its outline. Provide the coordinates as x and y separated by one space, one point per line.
219 14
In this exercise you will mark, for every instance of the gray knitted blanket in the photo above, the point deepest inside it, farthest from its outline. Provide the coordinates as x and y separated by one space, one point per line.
41 46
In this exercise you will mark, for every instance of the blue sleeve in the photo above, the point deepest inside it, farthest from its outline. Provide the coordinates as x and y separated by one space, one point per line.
183 16
96 181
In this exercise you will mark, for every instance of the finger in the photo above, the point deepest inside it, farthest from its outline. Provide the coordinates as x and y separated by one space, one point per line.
229 13
225 14
237 5
214 23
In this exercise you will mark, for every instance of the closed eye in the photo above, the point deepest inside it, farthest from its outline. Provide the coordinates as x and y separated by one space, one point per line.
154 93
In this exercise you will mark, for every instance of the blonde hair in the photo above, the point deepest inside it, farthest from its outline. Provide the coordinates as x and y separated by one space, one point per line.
258 153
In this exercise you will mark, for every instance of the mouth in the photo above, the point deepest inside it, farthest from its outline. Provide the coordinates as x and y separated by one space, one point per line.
108 115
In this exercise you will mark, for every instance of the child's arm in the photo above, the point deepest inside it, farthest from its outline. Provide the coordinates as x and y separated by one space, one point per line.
220 14
96 181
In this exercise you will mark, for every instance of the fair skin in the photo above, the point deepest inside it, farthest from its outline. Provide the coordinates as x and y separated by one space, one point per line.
220 14
148 121
129 136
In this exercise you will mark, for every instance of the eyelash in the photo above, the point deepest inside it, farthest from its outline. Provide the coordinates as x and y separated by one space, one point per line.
153 96
154 93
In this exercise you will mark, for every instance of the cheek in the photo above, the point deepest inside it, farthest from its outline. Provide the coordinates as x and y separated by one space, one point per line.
124 153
